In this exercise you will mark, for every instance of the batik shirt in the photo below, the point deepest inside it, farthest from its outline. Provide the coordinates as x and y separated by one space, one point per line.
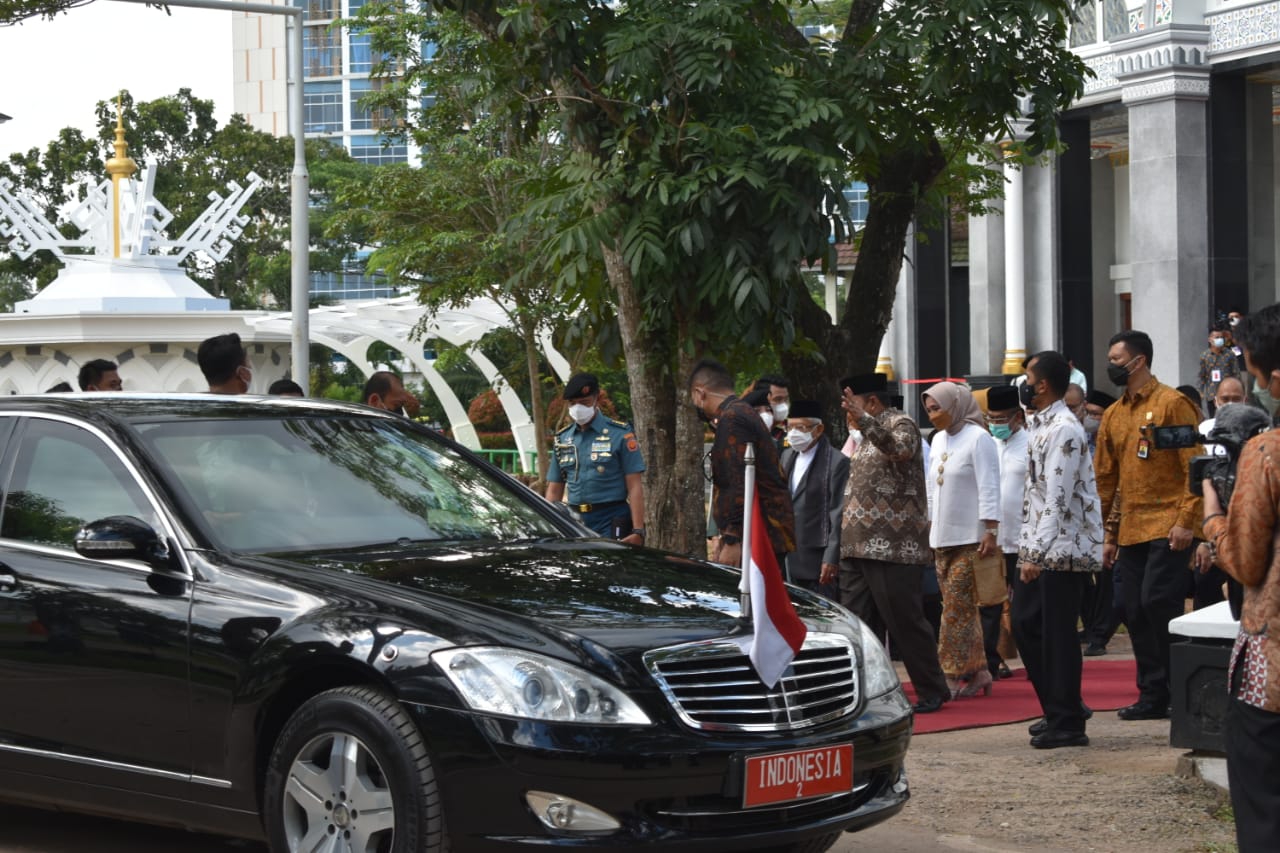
886 508
1061 514
1214 367
1245 542
738 425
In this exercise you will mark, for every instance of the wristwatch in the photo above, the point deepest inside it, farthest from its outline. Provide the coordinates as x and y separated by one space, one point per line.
637 531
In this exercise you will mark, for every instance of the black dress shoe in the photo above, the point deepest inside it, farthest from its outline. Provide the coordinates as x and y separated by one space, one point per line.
928 706
1055 739
1143 710
1039 727
1003 671
1094 650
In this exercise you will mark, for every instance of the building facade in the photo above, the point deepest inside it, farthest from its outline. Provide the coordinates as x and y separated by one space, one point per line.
1159 213
336 65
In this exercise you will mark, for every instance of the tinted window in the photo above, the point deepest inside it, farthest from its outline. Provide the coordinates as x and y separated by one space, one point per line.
63 477
269 485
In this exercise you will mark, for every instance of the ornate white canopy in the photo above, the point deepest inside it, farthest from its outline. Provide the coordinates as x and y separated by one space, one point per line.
402 323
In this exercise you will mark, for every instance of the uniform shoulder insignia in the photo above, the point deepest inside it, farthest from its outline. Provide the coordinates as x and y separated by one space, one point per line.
617 422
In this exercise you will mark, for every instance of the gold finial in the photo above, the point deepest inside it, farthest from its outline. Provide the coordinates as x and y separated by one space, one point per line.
121 165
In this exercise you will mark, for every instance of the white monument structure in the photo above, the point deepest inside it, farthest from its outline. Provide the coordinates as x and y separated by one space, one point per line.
128 300
122 295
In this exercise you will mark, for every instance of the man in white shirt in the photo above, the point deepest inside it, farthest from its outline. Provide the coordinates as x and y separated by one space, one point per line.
1059 546
1007 424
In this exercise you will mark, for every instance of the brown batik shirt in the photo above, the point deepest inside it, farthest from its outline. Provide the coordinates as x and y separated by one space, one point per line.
886 507
737 426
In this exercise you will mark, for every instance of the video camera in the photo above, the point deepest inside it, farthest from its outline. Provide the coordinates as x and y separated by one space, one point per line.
1234 425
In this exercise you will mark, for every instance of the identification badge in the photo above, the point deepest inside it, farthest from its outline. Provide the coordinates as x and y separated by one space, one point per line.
1144 448
1216 375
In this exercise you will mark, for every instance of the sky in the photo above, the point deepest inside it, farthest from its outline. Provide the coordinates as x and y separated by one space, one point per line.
55 72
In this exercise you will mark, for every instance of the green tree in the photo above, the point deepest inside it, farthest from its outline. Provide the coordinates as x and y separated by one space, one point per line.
449 227
17 11
194 157
707 144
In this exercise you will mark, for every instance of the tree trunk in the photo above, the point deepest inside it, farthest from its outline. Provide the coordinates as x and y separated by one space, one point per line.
670 434
853 345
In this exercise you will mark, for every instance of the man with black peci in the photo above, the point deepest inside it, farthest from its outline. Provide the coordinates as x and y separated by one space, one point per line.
816 473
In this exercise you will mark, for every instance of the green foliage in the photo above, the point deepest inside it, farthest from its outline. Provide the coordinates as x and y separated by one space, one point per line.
701 147
16 11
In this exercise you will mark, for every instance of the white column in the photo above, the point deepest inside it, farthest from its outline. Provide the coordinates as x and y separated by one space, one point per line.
889 342
1015 323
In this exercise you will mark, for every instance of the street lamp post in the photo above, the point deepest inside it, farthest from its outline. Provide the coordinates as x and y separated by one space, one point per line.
299 185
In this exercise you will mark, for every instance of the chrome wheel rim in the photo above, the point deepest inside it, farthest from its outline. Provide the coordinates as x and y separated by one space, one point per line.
337 800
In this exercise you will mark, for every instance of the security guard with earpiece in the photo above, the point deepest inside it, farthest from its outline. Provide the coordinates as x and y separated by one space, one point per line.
598 460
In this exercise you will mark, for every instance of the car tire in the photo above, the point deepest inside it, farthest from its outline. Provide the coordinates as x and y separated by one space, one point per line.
380 795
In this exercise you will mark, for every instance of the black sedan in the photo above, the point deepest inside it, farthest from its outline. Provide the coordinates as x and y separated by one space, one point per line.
334 630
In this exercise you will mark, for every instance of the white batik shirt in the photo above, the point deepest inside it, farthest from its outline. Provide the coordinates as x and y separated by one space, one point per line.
1061 513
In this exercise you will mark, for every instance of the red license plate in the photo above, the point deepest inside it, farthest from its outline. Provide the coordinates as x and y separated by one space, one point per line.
798 775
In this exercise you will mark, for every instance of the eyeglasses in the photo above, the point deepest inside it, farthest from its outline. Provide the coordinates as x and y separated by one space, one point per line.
1000 419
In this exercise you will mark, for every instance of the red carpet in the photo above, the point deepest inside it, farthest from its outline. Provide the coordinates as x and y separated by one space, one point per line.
1106 685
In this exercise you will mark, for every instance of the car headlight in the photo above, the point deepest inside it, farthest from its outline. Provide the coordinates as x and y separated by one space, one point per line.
878 674
523 684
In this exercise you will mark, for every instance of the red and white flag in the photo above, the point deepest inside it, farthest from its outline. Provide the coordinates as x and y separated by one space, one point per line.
779 633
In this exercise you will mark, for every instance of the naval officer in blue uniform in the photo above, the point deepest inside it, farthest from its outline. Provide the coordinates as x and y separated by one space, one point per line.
597 460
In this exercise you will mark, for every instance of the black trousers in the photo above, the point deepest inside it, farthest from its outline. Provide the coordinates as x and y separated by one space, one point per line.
1044 614
1252 738
893 591
1153 582
1106 612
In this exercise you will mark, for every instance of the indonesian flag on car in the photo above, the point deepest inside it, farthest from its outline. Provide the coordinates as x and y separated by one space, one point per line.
779 633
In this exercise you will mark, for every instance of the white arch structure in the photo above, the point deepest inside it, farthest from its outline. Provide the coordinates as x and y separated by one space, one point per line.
350 328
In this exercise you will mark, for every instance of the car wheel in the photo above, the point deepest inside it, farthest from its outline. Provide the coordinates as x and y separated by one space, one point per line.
350 772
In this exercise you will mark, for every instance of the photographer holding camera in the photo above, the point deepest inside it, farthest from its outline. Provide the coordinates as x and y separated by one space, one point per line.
1244 542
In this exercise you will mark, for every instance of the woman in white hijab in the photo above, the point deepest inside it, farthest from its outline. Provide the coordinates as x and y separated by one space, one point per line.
964 509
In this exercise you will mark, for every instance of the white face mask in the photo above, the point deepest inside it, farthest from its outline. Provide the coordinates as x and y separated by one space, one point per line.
1218 342
581 414
767 417
799 440
781 411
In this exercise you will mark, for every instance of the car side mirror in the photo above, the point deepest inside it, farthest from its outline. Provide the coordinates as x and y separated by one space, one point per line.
122 537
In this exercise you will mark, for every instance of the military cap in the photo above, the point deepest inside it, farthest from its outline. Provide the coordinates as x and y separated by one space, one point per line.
580 385
757 398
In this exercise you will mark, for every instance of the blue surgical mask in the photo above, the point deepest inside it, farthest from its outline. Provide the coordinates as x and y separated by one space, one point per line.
1001 431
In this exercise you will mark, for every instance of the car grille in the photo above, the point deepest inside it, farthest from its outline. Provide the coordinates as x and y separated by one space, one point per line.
712 685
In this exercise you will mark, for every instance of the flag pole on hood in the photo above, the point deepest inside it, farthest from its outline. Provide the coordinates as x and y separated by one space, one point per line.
777 632
748 501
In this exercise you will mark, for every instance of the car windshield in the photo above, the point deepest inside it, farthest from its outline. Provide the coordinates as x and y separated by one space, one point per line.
267 485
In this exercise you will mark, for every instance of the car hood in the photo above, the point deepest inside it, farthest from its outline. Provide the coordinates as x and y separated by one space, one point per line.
627 599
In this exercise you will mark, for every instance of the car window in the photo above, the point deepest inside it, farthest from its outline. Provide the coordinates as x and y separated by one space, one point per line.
64 477
278 484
